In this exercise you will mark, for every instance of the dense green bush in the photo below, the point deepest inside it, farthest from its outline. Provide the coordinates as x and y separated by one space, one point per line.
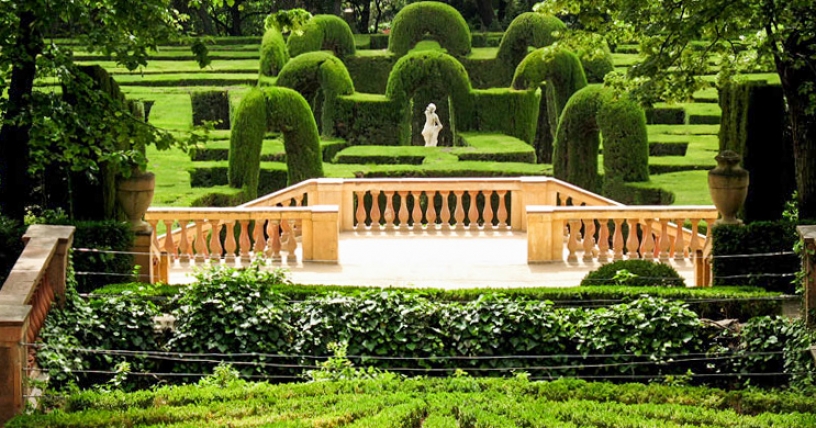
529 29
365 119
507 111
11 240
771 271
561 74
323 33
443 22
592 49
369 73
211 106
96 269
318 76
754 125
666 116
246 138
274 54
634 273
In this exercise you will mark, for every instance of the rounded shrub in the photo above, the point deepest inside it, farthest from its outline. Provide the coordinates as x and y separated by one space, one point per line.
323 33
594 52
274 54
444 23
528 29
634 273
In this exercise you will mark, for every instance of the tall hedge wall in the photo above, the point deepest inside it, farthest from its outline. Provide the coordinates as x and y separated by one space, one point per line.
592 110
440 20
561 70
320 77
367 119
274 53
528 29
323 32
507 111
753 124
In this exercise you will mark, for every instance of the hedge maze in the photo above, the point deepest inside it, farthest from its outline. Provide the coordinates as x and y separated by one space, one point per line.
511 104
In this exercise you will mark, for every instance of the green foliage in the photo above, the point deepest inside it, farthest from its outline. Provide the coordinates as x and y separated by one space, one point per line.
211 106
442 21
370 73
641 273
592 49
289 20
772 272
246 138
528 30
274 54
339 368
761 345
507 111
224 375
11 240
323 32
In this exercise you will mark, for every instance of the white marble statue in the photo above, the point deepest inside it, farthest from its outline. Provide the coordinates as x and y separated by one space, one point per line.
432 126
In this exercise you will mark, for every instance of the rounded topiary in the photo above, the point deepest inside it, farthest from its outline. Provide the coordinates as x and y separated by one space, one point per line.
323 33
444 23
590 111
560 70
634 273
273 108
274 54
594 52
314 74
529 29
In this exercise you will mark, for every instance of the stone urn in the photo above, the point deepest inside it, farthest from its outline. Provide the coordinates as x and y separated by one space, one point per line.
728 184
134 195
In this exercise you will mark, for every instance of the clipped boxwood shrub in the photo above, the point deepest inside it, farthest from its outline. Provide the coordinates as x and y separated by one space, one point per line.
507 111
666 116
323 32
773 272
211 106
274 54
369 73
634 273
416 20
530 29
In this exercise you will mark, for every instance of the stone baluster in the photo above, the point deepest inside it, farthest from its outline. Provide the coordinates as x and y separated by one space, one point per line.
487 211
501 216
710 227
647 244
244 241
154 237
617 240
360 214
403 210
679 251
200 245
273 240
430 210
665 245
632 243
694 243
169 245
185 252
375 209
416 212
291 242
459 211
473 211
572 242
589 239
258 237
215 240
388 215
230 245
603 241
445 213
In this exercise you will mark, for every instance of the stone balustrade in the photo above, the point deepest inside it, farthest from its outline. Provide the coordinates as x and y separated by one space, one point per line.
34 283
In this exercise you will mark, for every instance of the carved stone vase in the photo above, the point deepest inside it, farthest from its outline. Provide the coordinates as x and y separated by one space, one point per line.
134 195
728 184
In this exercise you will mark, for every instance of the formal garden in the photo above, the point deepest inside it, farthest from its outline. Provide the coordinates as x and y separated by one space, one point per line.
610 102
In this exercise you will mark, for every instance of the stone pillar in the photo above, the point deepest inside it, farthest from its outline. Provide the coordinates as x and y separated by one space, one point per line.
325 234
13 325
142 257
545 235
808 234
534 191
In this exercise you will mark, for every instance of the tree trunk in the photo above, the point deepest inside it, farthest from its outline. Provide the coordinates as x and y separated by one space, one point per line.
235 17
486 14
803 128
15 132
207 25
365 16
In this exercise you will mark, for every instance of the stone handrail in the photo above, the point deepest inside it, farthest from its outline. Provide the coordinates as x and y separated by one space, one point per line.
34 283
268 230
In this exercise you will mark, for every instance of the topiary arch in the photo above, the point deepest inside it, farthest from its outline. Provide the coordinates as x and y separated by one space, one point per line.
431 76
280 109
273 53
320 77
323 33
622 123
440 20
528 29
561 72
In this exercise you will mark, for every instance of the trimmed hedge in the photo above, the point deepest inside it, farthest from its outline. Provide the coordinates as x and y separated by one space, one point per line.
274 54
212 106
507 111
626 149
666 116
773 272
667 149
562 75
754 125
318 76
444 23
646 273
530 29
369 73
365 119
323 33
246 138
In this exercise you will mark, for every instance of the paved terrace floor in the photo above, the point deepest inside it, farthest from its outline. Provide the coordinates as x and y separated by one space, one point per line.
454 259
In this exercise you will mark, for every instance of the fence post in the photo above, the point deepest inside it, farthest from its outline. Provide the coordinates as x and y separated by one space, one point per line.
808 234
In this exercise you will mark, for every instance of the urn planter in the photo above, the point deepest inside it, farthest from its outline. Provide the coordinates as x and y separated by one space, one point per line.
134 195
728 184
